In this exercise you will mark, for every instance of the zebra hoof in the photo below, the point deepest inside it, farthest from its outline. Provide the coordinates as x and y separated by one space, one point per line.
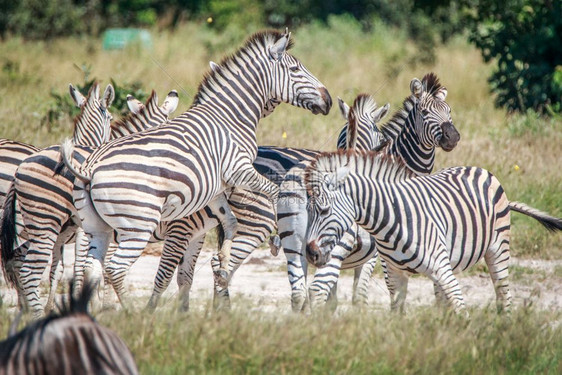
274 245
221 277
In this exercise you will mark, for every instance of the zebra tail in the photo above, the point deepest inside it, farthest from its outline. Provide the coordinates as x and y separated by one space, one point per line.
551 223
220 236
67 152
8 236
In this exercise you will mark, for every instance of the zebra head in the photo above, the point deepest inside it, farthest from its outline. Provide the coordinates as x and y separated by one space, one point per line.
331 212
92 125
361 131
292 83
270 105
432 114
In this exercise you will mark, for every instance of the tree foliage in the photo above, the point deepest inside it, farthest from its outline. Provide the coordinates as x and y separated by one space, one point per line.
524 38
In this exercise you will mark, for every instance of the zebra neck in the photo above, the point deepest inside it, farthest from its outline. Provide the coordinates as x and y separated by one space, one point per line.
87 134
376 206
419 158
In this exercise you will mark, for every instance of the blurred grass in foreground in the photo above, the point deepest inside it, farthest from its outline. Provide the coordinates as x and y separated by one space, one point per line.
423 341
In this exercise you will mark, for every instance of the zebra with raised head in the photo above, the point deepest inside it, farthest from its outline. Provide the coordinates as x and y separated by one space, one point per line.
413 134
435 225
44 196
164 174
69 342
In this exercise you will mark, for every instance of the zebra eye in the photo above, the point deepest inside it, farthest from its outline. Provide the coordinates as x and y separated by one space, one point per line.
294 68
425 112
324 211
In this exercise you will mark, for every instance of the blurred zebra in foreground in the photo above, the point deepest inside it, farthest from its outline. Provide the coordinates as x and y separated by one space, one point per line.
436 225
67 343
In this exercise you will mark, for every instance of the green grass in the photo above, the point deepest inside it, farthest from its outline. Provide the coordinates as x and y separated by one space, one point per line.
424 341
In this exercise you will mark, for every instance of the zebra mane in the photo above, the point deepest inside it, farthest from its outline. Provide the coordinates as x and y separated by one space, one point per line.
126 122
363 103
431 83
89 101
394 127
371 164
261 40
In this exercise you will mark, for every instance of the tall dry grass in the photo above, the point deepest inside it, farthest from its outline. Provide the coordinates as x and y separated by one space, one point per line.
522 150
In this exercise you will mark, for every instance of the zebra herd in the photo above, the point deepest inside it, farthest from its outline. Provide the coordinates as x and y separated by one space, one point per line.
117 186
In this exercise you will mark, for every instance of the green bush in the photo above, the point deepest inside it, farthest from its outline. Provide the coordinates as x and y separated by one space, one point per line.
62 106
523 38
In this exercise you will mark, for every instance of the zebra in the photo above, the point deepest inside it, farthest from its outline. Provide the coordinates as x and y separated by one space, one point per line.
69 342
272 162
44 196
164 174
12 153
413 133
435 225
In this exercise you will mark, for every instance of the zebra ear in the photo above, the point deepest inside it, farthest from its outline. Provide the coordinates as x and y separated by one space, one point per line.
214 66
108 96
381 112
416 87
76 96
277 51
344 108
441 94
171 102
134 104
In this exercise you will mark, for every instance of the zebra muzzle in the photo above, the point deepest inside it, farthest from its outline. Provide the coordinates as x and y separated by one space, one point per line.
315 255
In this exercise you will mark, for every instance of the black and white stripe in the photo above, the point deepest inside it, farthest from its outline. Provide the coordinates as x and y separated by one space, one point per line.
70 342
435 225
44 197
412 134
164 174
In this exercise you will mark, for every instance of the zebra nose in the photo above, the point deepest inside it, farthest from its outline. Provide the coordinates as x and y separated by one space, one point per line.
450 137
313 252
327 99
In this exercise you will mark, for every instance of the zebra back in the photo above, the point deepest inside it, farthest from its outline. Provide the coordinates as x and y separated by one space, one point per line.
91 126
70 342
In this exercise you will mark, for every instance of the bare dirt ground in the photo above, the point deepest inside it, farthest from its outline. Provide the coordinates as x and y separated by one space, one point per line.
263 281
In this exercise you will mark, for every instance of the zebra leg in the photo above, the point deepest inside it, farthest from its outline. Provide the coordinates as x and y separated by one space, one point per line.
93 270
57 270
292 224
324 286
397 284
220 207
441 273
80 254
361 281
497 259
440 298
57 266
108 287
186 271
256 222
247 177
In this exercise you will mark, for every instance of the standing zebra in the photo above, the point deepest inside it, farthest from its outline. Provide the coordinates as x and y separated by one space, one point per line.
436 225
255 215
70 342
44 196
413 133
132 184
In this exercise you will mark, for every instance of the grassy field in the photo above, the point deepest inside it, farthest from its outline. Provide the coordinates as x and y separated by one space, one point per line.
524 151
